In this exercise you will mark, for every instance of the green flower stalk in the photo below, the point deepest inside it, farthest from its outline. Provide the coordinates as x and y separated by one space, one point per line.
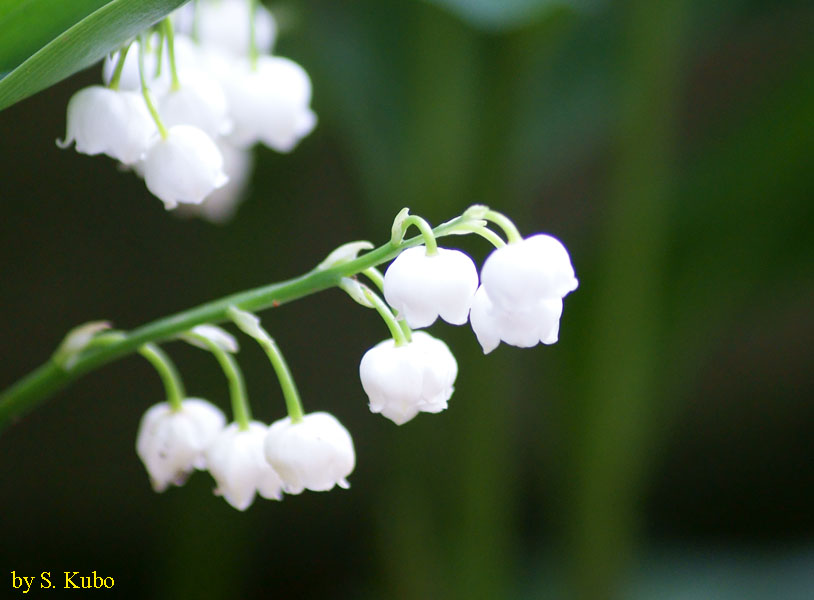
45 381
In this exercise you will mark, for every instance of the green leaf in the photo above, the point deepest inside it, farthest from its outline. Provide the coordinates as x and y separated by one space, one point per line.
499 15
44 41
27 25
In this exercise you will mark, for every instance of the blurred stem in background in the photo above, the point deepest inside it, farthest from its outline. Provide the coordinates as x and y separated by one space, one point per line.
451 149
625 354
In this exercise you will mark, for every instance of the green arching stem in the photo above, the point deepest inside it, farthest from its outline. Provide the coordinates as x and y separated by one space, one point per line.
117 73
168 373
426 232
159 52
173 384
405 329
505 223
145 91
376 277
28 392
293 404
237 387
253 53
384 311
488 235
166 26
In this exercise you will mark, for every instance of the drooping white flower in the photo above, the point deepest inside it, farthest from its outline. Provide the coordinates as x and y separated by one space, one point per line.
184 167
224 24
200 102
171 444
269 103
315 454
401 381
101 120
522 326
523 273
423 287
221 205
238 464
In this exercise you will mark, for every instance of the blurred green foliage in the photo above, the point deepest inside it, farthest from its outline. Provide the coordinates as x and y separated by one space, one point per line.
662 449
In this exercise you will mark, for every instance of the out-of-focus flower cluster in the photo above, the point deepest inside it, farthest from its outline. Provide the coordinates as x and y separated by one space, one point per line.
190 136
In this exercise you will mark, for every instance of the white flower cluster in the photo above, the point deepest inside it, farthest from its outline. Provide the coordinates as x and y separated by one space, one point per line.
517 299
315 453
225 100
519 302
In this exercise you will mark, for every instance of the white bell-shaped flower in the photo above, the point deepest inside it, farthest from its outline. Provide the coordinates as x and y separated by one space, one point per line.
523 273
238 464
423 287
183 167
101 120
270 103
401 381
522 326
199 102
315 453
224 24
171 444
220 206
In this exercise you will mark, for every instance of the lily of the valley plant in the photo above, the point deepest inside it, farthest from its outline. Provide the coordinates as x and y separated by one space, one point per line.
180 106
517 299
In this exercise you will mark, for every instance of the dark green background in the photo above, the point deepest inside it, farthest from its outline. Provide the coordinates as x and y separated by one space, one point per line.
662 449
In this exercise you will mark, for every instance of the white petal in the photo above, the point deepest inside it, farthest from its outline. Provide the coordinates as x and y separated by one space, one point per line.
184 167
523 273
316 453
422 288
171 443
101 120
237 464
401 381
269 103
524 327
222 204
483 324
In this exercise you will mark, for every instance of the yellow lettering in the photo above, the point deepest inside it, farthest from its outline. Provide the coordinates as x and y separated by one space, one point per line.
69 582
46 579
